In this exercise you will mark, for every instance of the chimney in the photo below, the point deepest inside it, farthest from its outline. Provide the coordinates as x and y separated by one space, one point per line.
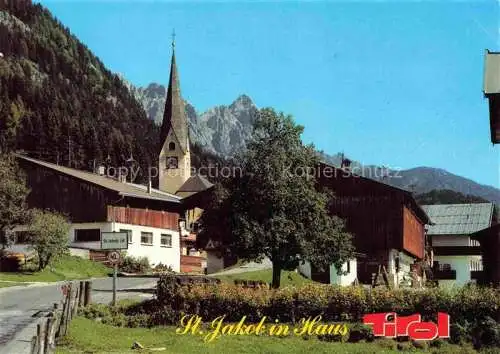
121 178
346 163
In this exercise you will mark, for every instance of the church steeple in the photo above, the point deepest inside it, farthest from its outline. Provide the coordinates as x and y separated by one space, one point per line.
175 158
174 116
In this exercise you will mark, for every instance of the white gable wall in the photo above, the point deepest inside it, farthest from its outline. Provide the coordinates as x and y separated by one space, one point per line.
343 280
156 253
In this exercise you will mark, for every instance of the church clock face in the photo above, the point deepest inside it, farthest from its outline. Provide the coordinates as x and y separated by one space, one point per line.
172 162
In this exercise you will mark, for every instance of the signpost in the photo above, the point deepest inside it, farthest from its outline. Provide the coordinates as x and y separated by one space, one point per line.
114 241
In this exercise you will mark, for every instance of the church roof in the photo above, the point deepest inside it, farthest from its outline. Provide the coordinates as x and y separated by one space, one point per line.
174 116
195 183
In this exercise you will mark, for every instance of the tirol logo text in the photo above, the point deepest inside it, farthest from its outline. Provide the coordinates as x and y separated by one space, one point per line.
390 325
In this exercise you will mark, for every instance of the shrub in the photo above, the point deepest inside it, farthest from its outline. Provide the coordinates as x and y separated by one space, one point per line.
49 235
486 333
437 343
460 332
131 264
163 269
359 332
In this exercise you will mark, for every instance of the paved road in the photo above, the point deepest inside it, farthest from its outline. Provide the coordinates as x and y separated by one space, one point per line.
19 306
247 267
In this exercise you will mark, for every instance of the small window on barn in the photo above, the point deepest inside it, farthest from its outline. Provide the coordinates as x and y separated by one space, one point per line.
146 238
348 266
166 240
87 235
171 146
129 234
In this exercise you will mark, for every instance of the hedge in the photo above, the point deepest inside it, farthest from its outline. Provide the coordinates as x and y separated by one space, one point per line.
333 303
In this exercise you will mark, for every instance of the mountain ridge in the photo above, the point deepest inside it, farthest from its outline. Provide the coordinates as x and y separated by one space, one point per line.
223 129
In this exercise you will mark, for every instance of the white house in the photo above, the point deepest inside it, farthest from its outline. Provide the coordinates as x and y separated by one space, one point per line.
457 258
344 280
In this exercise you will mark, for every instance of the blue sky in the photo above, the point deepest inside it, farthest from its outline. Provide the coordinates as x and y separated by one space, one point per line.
393 83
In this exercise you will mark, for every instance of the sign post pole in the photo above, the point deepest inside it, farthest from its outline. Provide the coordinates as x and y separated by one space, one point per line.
114 241
115 271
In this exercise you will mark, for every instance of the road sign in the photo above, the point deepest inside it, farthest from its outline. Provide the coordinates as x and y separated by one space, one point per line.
114 257
114 240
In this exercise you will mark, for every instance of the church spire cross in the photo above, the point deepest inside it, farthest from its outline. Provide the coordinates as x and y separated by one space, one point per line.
173 39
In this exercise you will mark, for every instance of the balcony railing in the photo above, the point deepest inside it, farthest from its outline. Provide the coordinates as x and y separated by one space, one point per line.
476 266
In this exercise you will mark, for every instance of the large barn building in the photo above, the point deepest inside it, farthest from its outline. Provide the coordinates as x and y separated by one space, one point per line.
387 224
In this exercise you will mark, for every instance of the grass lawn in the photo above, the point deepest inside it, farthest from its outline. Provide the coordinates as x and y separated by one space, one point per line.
287 277
67 267
87 336
4 284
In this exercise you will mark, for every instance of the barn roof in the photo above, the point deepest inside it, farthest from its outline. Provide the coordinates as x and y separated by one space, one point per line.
123 188
458 219
383 188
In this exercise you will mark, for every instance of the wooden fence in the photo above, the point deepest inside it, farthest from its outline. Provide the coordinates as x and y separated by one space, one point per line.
55 325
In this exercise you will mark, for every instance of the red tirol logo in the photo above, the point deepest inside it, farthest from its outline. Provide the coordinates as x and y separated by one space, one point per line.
410 326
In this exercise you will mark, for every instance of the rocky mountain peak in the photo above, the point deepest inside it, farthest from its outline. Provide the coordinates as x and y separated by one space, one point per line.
222 129
153 90
242 102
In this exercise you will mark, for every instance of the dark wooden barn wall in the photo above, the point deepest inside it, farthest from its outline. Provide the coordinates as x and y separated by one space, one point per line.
413 234
80 201
375 221
374 213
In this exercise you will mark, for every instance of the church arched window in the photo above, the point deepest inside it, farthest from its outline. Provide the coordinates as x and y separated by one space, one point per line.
171 146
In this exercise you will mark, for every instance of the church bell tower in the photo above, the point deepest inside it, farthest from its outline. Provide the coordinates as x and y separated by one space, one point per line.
175 159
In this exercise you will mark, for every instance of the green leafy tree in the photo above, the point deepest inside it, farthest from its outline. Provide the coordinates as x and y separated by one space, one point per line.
274 207
13 193
49 235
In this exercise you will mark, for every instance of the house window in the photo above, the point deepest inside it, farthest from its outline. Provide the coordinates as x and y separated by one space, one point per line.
171 146
87 235
172 162
348 266
146 238
166 240
129 234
